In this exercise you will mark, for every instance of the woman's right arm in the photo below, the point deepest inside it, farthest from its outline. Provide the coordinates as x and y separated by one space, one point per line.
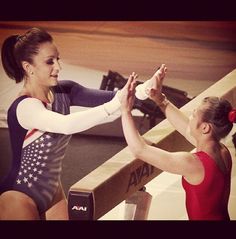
176 117
32 114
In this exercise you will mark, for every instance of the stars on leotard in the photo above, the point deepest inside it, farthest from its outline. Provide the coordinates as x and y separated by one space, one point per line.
34 161
18 181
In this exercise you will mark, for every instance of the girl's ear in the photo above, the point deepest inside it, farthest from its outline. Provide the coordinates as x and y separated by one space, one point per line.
206 128
27 67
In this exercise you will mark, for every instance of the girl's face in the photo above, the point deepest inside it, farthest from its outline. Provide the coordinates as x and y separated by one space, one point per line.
46 65
195 121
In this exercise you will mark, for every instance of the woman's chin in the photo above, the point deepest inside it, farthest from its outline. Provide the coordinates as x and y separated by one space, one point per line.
54 82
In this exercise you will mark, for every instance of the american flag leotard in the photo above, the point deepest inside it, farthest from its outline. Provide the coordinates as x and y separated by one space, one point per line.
39 147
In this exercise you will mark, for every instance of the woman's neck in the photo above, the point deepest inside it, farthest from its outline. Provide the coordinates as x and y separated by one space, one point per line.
36 91
207 144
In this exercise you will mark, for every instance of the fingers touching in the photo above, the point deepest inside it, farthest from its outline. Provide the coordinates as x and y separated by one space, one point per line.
154 92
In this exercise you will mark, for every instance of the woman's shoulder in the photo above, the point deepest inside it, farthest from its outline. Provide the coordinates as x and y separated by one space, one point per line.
23 100
11 113
17 101
220 159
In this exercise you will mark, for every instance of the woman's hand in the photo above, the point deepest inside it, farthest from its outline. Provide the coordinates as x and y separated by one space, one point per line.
155 93
128 94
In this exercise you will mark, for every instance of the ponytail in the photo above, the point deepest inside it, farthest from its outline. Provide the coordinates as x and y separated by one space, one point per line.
18 48
12 68
220 114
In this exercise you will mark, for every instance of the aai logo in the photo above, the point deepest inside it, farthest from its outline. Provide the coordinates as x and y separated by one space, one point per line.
79 208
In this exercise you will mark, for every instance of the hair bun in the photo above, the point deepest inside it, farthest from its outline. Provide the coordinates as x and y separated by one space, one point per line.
232 116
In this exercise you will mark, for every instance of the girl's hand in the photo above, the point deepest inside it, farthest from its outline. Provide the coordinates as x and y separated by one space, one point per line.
155 93
128 94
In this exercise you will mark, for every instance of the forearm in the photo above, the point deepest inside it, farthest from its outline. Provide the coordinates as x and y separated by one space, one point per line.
177 119
87 97
80 121
32 114
170 162
132 136
111 117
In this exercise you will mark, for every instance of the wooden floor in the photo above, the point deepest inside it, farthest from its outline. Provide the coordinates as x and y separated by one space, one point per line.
196 53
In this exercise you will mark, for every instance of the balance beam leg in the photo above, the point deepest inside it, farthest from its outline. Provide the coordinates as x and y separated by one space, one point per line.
137 206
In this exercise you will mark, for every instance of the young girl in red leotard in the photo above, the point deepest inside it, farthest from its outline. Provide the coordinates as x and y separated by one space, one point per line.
206 174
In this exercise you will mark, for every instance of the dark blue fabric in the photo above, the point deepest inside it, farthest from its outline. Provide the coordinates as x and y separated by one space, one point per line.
66 94
17 135
82 96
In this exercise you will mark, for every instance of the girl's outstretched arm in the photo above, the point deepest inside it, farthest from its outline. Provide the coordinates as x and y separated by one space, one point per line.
176 117
182 163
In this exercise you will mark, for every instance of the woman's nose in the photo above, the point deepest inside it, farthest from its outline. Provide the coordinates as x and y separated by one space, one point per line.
57 66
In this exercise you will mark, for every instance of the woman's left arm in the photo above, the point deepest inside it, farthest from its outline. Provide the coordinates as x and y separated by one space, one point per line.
88 97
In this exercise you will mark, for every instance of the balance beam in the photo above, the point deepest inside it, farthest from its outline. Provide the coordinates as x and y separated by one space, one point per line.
122 175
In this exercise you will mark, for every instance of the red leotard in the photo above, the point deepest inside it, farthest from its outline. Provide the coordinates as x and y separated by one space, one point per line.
209 199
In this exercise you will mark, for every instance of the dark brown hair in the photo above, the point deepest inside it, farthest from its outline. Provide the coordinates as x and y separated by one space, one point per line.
217 113
18 48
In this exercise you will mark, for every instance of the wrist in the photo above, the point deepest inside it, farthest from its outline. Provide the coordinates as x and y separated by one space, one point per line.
163 102
141 90
125 111
113 105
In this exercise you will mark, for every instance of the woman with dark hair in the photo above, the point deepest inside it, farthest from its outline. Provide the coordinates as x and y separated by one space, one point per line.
206 174
40 125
